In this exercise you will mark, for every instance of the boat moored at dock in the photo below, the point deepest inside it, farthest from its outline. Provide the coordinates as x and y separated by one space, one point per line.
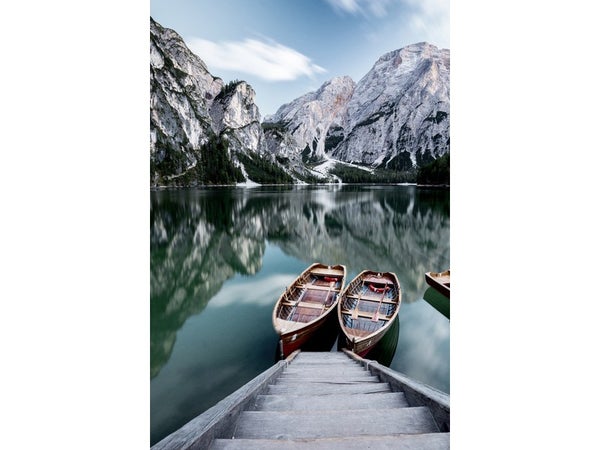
367 309
307 304
440 281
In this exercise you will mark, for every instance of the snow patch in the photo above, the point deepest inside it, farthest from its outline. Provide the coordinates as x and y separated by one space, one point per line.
248 183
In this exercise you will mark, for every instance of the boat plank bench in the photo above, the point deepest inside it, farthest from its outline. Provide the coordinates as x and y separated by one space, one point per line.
304 305
316 287
367 315
371 299
328 272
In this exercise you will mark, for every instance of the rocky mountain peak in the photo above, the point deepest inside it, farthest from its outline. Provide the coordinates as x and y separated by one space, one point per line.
395 117
190 107
234 107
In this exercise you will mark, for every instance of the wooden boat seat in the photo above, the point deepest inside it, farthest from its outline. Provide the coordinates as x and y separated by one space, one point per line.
365 314
316 287
304 305
372 299
326 272
377 280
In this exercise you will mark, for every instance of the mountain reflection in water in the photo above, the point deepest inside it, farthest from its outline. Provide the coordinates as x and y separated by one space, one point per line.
204 239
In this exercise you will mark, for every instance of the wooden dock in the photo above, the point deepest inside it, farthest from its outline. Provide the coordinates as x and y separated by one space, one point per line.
329 400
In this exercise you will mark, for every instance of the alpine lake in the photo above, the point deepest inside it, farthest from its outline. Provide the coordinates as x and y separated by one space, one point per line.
221 257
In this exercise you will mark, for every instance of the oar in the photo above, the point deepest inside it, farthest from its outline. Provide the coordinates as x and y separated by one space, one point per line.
296 304
355 310
331 284
375 317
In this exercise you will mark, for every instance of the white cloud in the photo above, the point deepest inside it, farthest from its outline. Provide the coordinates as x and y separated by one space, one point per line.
428 20
260 292
431 19
268 60
377 8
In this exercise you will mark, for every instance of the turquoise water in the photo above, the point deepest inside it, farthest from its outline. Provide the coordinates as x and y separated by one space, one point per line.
221 257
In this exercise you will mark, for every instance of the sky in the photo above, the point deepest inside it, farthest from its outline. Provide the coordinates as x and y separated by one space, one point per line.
285 49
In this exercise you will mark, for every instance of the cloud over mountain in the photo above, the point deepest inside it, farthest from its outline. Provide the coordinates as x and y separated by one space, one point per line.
268 60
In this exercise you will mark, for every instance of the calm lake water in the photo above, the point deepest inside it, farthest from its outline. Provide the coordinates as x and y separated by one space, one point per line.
221 257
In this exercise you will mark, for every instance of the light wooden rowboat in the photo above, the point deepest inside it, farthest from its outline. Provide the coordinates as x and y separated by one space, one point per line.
367 309
306 304
439 281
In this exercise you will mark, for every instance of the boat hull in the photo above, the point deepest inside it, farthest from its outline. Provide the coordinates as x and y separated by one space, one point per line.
367 308
439 281
362 348
290 342
306 305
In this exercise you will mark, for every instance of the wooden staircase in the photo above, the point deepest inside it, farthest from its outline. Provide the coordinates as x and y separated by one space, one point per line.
331 401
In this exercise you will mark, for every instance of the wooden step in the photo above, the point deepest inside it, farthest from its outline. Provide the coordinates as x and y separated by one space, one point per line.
296 381
323 364
330 402
315 363
328 389
326 372
426 441
321 356
328 424
325 368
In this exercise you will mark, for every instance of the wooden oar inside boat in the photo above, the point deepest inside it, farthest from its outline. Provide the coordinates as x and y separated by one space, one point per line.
331 284
355 310
376 315
295 306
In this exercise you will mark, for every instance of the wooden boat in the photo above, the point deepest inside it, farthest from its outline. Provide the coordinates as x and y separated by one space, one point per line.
367 309
306 305
439 281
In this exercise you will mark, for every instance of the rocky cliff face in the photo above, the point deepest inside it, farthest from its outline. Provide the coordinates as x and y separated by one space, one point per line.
400 110
309 118
396 116
188 105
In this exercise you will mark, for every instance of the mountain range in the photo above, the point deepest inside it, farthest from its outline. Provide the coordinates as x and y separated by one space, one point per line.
394 120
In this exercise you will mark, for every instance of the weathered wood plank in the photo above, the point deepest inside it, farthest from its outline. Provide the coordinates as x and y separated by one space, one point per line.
368 315
373 298
295 380
317 287
417 394
429 441
321 424
327 369
322 356
304 305
381 400
329 389
318 374
304 365
324 368
323 271
334 360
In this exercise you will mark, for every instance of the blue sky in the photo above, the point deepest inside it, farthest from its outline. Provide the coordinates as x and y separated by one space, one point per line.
286 48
